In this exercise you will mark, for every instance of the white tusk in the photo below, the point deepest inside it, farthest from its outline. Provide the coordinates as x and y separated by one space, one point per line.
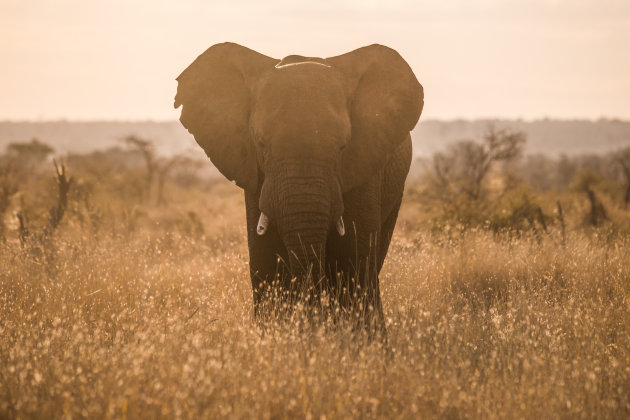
340 227
263 222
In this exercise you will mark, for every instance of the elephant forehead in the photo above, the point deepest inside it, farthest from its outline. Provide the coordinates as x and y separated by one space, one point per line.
300 107
297 84
300 99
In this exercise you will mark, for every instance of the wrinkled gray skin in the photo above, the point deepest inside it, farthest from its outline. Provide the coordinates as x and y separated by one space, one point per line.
310 140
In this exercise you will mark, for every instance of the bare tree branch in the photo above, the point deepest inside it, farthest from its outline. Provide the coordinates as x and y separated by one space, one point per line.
57 211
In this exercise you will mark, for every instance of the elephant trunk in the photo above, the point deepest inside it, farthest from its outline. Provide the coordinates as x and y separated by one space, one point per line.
304 219
303 200
306 250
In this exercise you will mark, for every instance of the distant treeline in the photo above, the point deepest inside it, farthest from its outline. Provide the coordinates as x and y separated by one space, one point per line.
481 183
547 136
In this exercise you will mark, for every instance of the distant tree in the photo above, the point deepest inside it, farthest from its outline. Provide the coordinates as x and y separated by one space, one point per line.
164 167
147 150
539 171
157 168
27 157
566 169
16 165
187 175
34 150
465 166
585 181
461 182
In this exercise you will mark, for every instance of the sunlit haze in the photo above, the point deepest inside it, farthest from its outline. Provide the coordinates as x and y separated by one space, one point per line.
510 59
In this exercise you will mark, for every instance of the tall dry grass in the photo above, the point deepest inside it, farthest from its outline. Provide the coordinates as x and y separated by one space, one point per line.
155 321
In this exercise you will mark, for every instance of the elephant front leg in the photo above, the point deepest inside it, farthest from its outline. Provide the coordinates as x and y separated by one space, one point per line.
354 284
371 307
354 260
267 261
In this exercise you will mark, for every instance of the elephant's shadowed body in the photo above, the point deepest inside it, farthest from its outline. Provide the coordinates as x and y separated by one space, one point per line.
322 149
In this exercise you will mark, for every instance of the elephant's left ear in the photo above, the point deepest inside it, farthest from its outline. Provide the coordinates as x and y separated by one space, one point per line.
386 103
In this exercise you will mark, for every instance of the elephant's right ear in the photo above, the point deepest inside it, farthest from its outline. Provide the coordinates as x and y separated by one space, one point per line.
215 91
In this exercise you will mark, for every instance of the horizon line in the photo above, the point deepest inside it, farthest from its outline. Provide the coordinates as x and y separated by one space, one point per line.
432 119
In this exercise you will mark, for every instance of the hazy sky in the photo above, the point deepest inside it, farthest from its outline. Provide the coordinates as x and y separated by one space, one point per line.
80 59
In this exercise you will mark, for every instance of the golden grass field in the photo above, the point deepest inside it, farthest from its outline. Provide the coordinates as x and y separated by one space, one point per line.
146 312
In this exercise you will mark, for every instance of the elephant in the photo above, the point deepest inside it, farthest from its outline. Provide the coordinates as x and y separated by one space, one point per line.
321 148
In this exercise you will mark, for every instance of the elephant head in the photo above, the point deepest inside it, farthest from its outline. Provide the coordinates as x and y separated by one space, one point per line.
299 132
